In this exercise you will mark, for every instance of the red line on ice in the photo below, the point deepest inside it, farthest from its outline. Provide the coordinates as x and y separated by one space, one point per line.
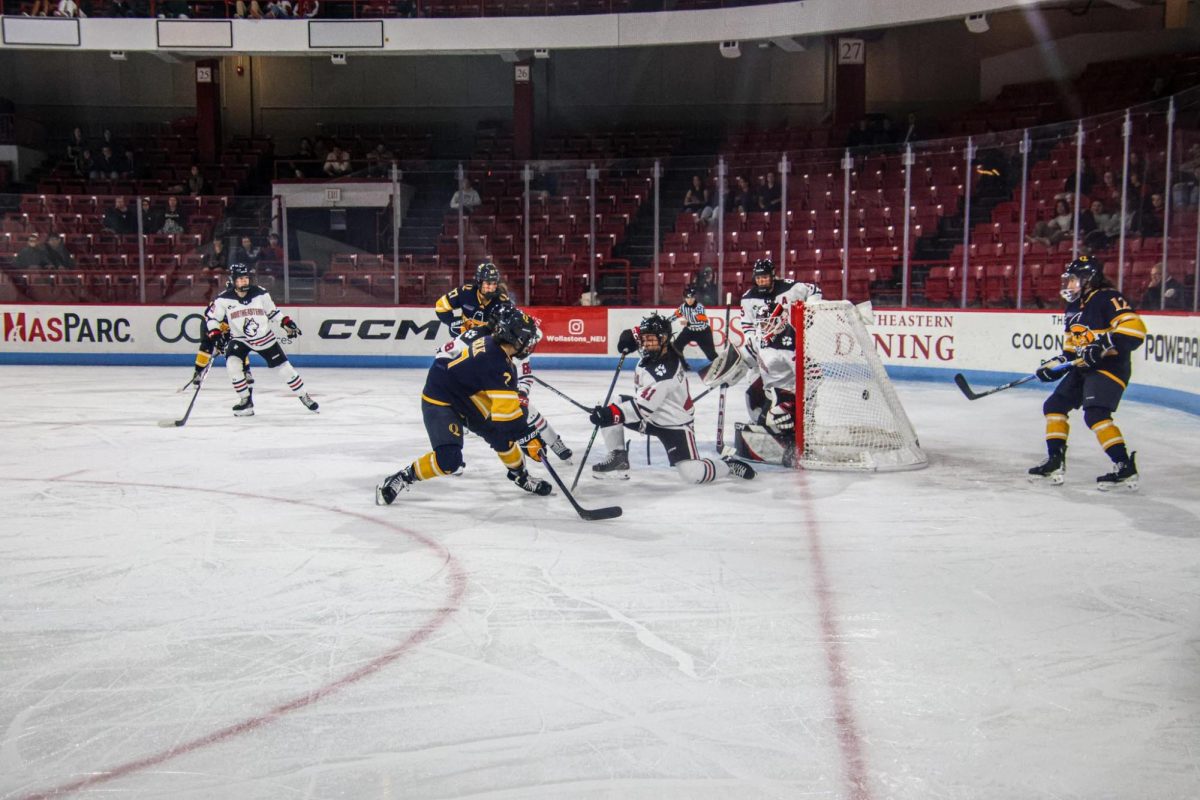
457 588
850 741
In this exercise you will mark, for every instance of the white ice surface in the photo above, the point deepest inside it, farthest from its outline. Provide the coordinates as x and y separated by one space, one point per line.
221 611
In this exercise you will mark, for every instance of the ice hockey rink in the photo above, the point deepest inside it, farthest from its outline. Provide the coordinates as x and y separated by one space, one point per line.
221 611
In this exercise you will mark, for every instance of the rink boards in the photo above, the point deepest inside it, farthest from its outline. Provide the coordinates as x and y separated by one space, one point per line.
922 344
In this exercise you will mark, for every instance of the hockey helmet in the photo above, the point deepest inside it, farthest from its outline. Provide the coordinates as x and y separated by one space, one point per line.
495 311
516 328
770 319
657 326
487 272
1082 276
689 292
240 270
764 268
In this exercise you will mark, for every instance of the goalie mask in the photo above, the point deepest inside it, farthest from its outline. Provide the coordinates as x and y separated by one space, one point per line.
1081 277
659 328
770 319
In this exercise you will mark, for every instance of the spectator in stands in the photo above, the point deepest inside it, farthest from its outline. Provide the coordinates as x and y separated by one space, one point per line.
466 197
196 185
544 182
1094 226
152 219
379 161
32 255
337 162
770 198
106 166
130 167
248 252
273 251
108 139
1054 230
1148 221
41 8
68 8
1107 190
77 144
215 257
741 198
1152 298
57 256
306 9
1086 181
1186 191
174 221
697 200
706 287
83 164
240 9
279 9
119 219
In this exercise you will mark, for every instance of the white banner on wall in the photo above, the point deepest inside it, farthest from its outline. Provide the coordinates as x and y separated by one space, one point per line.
912 343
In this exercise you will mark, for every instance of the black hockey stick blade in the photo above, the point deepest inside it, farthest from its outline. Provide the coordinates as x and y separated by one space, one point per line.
179 423
961 381
590 514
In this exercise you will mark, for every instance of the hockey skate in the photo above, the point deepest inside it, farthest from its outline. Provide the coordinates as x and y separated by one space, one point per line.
561 450
245 407
522 478
739 469
1053 469
309 403
616 466
393 485
1123 476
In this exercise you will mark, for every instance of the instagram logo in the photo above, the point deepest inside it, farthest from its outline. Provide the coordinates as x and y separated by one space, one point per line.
575 327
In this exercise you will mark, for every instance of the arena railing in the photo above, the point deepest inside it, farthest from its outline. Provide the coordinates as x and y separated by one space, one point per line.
983 221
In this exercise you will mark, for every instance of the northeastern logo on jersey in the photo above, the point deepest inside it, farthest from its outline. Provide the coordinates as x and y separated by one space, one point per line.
250 329
69 327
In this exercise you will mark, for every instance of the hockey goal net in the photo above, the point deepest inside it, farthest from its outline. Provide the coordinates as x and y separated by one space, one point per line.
852 418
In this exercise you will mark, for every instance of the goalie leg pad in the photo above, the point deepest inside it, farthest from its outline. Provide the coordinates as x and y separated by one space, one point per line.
755 443
727 368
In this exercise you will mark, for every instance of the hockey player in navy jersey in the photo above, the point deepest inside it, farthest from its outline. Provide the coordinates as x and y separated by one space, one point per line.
475 389
661 406
1101 332
467 306
248 311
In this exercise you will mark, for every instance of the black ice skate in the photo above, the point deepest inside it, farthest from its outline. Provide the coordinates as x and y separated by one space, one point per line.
522 478
245 407
616 466
1124 475
309 403
739 469
1053 469
561 450
393 485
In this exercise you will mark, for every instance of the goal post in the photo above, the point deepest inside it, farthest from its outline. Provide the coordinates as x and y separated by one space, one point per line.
848 416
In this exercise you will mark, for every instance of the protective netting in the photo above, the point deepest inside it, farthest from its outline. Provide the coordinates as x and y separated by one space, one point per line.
852 417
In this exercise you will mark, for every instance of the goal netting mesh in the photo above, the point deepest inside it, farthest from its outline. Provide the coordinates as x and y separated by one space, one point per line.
852 418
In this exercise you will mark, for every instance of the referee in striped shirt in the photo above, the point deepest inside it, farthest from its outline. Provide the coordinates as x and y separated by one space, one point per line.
696 328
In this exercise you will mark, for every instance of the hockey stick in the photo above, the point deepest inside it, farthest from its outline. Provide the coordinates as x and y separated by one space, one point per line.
724 387
595 430
961 381
563 395
590 514
179 423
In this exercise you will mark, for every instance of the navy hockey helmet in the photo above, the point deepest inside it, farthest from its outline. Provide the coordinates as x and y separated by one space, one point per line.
658 326
516 328
487 272
1089 273
239 270
495 311
689 292
764 272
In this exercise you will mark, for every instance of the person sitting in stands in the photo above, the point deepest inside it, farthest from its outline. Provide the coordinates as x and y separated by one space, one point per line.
32 255
466 197
57 256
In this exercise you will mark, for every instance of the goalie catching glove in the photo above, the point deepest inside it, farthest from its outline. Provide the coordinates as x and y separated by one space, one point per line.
607 416
290 326
1052 370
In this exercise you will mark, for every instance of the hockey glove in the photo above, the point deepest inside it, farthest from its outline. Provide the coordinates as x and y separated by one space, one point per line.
606 416
523 399
780 419
456 328
627 343
289 325
1091 355
1052 370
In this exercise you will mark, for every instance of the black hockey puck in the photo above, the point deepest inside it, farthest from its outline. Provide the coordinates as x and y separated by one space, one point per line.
866 394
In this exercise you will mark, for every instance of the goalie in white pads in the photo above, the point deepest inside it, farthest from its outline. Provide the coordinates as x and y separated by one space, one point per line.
767 288
248 311
661 406
770 346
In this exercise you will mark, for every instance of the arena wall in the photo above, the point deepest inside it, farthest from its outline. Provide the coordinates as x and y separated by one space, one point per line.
989 347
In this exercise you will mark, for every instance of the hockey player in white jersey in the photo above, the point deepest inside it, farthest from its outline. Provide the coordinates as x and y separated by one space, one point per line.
248 311
767 288
661 406
770 349
495 311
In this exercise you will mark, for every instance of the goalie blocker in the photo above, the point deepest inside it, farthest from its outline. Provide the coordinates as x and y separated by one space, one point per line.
847 415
